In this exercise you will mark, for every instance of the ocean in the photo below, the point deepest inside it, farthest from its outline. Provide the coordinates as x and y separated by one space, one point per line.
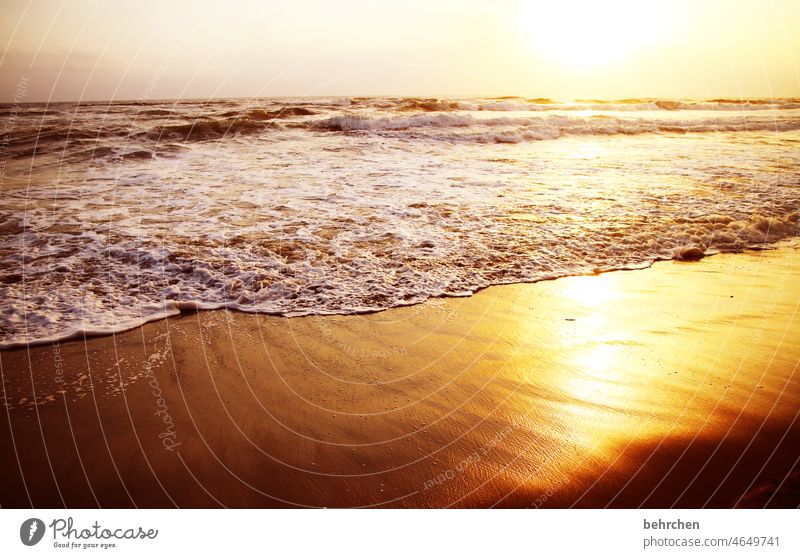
115 214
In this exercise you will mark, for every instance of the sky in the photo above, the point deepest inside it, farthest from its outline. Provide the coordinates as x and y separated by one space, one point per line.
568 49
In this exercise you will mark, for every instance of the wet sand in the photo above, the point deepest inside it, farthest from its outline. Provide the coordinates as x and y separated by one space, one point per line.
672 386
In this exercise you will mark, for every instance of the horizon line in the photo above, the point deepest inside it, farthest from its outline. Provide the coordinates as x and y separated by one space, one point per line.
542 100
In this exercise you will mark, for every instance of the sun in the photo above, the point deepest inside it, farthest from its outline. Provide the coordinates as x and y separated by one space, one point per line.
590 33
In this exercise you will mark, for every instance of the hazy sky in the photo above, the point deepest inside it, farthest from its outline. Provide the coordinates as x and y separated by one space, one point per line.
96 49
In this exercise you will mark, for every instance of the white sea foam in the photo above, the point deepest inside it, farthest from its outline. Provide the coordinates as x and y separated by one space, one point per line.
356 205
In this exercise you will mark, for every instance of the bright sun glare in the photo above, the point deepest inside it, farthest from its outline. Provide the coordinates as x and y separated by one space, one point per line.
588 33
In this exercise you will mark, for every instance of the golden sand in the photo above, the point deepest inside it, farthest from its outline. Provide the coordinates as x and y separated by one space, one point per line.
671 386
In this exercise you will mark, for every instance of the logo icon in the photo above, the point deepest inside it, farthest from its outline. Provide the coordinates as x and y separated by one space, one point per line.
31 531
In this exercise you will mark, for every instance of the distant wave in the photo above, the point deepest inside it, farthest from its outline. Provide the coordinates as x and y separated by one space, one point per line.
71 130
516 104
209 129
264 114
516 129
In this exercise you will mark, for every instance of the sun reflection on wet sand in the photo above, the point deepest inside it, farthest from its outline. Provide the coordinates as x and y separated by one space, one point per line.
634 368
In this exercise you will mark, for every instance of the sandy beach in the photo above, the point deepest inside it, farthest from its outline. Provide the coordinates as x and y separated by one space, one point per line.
674 386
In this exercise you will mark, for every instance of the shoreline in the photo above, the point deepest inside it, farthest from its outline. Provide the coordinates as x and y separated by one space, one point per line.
675 385
174 309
